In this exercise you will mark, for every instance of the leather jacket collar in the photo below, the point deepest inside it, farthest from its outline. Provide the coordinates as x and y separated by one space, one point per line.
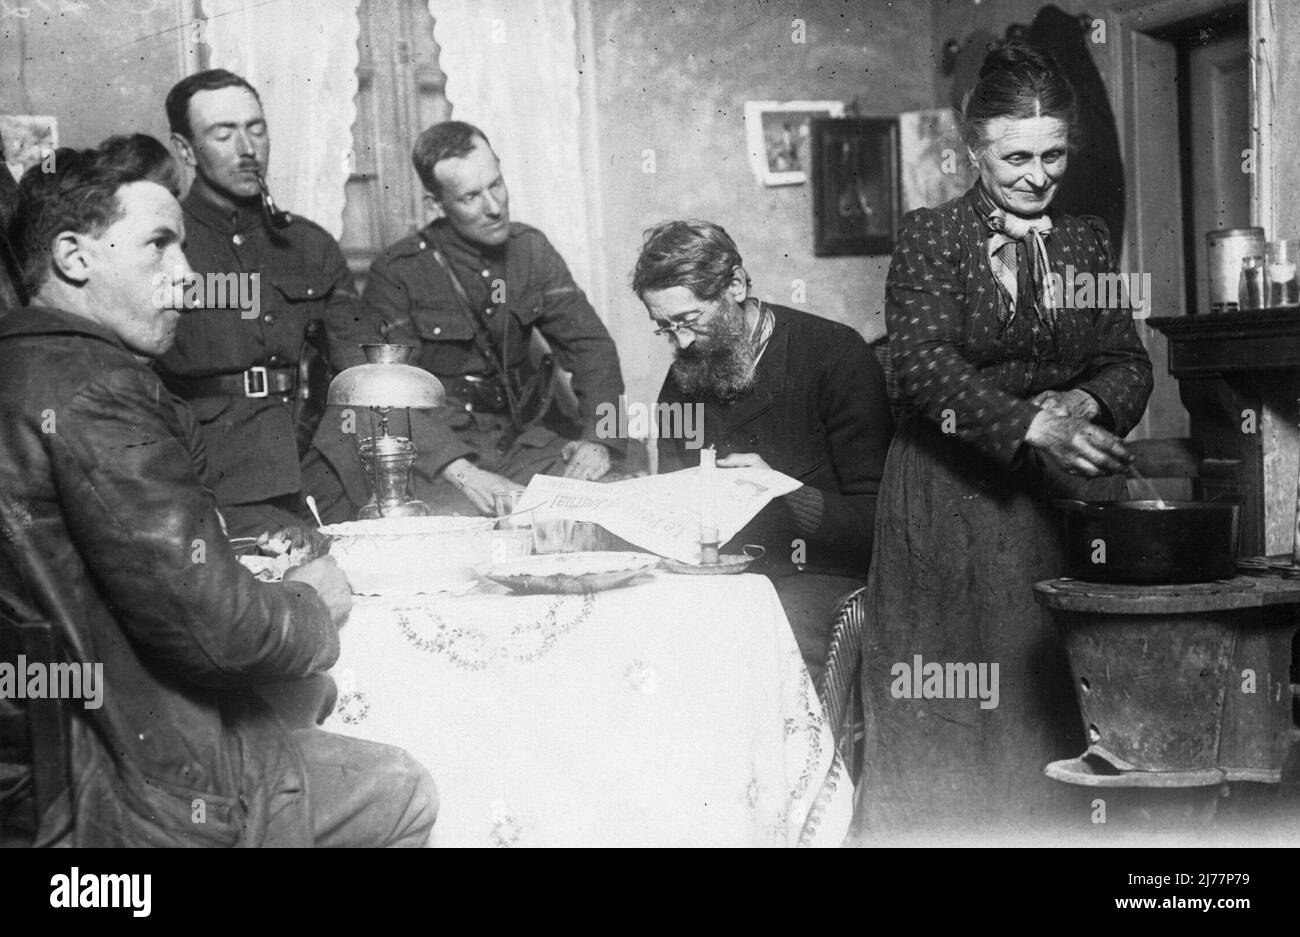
46 320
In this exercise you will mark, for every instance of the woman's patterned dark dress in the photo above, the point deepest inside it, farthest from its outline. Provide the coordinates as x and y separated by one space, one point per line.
965 527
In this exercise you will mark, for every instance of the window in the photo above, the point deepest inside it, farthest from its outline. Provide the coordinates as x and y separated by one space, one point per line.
400 92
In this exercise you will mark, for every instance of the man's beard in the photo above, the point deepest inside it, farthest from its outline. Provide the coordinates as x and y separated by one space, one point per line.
723 369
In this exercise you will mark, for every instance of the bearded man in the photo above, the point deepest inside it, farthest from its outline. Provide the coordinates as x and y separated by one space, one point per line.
781 389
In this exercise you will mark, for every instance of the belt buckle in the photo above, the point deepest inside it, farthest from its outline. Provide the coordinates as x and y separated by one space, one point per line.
252 377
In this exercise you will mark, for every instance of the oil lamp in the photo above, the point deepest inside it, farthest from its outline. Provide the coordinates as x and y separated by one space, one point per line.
386 382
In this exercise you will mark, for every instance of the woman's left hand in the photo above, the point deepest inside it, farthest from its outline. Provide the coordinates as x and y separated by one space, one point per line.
743 460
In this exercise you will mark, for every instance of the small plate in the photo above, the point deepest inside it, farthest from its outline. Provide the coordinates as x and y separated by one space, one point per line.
728 563
570 573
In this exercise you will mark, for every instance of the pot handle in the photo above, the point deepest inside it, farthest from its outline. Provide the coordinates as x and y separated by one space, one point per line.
1226 499
1076 507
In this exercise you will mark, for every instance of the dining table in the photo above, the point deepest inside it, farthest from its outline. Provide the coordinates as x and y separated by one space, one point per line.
672 711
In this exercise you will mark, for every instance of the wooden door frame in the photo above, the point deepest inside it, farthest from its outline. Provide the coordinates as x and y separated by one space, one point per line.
1126 17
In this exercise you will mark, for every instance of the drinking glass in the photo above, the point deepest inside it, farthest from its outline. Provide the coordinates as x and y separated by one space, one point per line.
1280 270
1250 290
503 506
511 544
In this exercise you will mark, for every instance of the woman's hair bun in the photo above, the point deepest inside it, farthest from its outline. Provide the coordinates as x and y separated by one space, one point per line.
1017 57
1018 80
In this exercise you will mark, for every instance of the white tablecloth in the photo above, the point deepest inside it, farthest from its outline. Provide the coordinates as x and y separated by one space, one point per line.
674 712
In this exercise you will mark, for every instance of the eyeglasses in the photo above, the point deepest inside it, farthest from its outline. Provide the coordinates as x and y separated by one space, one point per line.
676 325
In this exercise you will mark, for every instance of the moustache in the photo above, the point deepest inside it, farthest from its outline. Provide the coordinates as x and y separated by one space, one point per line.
702 353
693 352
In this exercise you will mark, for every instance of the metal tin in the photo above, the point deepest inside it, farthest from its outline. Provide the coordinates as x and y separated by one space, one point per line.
1226 248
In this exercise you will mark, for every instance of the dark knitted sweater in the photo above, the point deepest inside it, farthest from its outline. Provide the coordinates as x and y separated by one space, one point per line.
818 412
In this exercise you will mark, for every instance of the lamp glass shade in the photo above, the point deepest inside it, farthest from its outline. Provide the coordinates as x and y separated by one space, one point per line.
387 385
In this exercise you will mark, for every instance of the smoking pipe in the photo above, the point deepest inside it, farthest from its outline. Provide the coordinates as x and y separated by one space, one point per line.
274 216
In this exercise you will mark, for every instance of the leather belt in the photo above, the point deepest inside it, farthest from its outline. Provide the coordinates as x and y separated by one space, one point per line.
475 392
258 381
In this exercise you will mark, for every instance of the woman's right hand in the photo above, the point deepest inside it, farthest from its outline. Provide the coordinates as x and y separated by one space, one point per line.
1077 446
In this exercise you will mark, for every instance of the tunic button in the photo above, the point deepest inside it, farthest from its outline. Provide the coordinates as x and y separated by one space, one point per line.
487 311
269 318
423 245
437 330
238 239
486 274
310 291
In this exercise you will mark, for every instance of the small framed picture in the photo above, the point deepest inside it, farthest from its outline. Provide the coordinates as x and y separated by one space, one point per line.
932 158
28 141
778 136
855 185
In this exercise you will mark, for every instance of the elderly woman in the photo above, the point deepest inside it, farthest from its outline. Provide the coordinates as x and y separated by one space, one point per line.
1014 398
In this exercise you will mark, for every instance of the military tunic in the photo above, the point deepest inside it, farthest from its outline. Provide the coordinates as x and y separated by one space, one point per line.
519 287
302 279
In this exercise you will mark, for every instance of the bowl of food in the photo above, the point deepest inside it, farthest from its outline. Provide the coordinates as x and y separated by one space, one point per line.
409 555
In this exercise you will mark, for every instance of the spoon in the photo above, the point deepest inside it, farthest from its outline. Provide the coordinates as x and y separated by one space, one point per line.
311 506
1142 480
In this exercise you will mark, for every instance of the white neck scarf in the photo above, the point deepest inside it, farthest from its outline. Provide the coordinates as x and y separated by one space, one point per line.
1008 229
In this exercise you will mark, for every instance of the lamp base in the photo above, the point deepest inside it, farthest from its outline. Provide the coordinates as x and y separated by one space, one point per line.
387 461
410 507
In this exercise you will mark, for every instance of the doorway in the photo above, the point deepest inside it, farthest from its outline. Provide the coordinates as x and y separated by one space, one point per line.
1213 69
1180 70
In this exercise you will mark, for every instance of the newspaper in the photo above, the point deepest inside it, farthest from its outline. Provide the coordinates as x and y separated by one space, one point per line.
661 513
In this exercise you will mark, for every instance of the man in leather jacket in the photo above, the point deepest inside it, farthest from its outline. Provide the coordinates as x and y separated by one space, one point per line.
111 535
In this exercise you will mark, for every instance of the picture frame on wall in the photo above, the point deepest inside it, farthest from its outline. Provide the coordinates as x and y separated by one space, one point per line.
777 134
855 183
28 141
932 159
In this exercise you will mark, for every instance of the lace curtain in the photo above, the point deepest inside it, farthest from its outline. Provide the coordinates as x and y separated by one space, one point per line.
305 70
512 70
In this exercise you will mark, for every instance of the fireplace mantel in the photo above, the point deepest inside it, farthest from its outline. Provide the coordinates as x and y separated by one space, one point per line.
1232 342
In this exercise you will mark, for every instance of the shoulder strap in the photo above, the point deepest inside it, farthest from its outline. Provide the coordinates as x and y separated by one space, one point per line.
487 345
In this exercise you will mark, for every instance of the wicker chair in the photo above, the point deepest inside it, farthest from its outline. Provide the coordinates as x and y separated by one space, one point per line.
840 688
40 728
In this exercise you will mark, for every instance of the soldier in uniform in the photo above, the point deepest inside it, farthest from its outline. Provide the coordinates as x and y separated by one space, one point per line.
469 290
240 358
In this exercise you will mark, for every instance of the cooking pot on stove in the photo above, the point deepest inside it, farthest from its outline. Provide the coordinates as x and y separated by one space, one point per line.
1151 542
